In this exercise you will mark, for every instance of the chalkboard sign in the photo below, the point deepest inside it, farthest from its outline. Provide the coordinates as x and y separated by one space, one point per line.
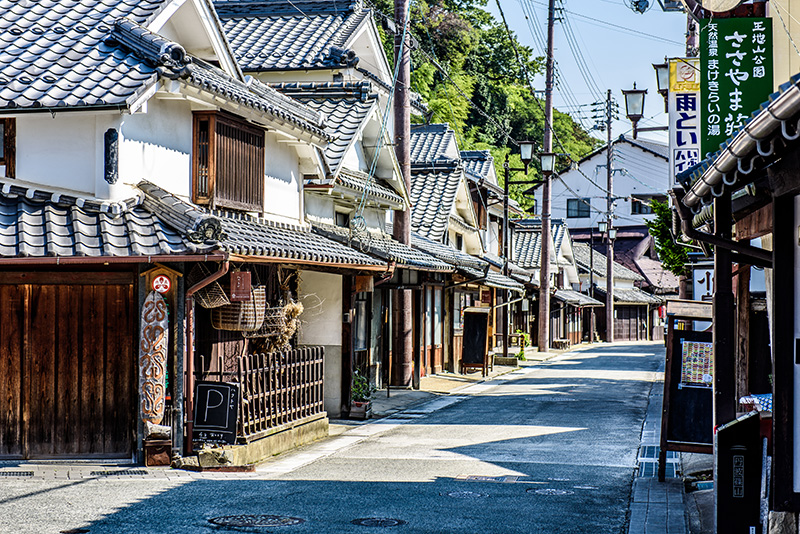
476 349
689 401
215 412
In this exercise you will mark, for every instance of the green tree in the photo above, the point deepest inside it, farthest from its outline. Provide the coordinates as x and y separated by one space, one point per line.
673 256
466 70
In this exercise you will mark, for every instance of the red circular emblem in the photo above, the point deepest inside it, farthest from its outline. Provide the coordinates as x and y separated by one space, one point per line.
161 284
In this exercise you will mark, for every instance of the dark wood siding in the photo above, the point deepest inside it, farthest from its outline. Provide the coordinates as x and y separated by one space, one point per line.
228 162
67 365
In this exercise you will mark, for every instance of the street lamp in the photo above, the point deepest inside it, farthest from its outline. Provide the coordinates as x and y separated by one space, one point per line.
548 162
662 80
634 109
526 155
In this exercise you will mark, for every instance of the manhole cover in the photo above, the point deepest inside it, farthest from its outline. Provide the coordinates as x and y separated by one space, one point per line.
467 495
550 491
256 520
378 522
16 473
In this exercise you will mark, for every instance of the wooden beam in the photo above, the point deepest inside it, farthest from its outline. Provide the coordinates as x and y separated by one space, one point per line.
742 353
756 224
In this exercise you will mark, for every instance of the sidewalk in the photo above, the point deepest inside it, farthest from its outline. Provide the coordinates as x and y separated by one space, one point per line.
665 507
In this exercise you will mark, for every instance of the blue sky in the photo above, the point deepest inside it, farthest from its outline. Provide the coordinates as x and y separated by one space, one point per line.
617 48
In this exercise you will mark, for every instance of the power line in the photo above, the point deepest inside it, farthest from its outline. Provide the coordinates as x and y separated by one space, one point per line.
599 22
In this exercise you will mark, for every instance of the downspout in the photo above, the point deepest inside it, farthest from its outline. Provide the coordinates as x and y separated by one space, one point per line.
744 253
189 344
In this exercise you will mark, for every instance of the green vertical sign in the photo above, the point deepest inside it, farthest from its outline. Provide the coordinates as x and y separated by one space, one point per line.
736 66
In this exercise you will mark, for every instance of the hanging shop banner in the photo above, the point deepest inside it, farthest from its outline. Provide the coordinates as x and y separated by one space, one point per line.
736 62
684 115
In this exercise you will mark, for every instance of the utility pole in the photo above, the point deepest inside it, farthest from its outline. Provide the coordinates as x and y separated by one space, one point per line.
609 242
403 343
544 270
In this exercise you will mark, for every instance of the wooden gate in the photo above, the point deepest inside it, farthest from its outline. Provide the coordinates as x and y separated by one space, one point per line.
67 382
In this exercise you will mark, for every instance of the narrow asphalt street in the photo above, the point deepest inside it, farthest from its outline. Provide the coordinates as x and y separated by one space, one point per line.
550 448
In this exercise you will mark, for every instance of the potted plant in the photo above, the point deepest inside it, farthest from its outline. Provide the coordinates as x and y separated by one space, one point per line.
362 390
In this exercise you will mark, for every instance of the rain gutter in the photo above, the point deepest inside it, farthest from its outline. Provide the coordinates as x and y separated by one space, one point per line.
751 137
743 253
189 344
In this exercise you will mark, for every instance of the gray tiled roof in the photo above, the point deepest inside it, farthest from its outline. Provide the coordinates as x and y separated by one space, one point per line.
447 253
36 223
528 249
432 197
576 299
52 54
493 279
384 247
88 55
519 273
632 295
477 163
289 35
244 235
430 143
583 256
358 182
346 107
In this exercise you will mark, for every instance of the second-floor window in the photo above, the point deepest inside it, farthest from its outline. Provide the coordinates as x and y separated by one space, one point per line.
8 140
227 162
577 208
641 205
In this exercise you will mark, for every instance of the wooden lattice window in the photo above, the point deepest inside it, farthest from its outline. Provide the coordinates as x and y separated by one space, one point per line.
228 162
8 143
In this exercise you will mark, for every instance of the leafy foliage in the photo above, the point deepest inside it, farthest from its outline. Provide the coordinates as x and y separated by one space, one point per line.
673 256
467 72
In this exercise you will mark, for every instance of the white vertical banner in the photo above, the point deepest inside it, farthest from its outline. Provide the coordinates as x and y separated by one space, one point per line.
684 115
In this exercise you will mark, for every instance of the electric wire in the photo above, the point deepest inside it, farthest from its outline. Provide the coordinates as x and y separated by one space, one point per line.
617 27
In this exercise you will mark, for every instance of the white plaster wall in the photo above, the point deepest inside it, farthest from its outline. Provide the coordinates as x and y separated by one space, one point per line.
157 146
319 208
321 295
73 140
637 172
283 199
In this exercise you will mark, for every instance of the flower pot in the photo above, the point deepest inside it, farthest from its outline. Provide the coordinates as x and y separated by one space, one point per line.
360 410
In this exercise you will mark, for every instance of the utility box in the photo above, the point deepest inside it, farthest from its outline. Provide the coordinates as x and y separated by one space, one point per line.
737 476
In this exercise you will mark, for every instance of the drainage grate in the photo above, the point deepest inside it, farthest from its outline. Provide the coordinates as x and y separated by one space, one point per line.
550 491
120 473
557 399
378 522
16 473
652 451
255 520
74 531
467 495
650 469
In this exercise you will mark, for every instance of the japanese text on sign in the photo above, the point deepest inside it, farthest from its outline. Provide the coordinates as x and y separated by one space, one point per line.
736 56
684 114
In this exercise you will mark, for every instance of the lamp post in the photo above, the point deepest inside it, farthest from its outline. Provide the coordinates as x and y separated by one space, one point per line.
526 155
662 80
611 234
634 108
600 225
